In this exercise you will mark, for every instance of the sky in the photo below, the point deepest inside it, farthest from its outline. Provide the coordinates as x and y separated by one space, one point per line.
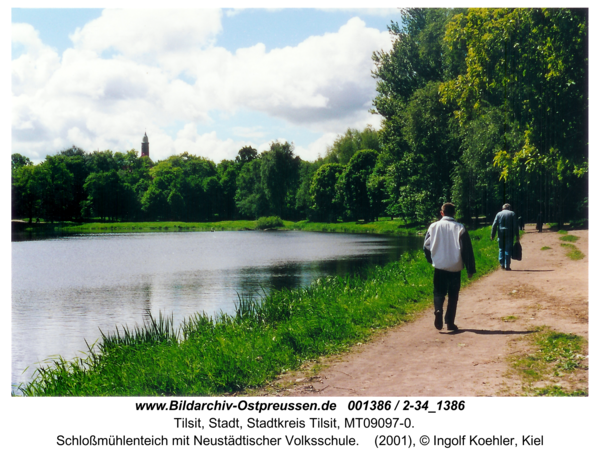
205 81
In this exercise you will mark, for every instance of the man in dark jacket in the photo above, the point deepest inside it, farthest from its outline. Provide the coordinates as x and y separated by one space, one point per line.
507 226
448 248
539 223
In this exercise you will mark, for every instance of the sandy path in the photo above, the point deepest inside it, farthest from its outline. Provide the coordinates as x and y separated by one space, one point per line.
545 288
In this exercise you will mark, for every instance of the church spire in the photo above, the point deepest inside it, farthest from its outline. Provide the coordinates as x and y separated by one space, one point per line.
145 146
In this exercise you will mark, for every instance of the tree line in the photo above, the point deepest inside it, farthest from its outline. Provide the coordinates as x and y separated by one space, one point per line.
479 106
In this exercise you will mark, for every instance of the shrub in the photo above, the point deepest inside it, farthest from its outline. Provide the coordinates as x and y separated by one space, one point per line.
269 223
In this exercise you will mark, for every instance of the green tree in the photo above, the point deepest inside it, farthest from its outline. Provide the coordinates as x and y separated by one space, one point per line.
74 159
268 185
17 161
352 186
326 206
250 196
304 201
108 196
476 188
246 154
345 146
26 191
56 189
279 176
176 191
227 173
101 161
213 195
419 142
533 64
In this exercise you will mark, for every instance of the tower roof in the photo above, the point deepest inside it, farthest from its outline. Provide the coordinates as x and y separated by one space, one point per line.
145 140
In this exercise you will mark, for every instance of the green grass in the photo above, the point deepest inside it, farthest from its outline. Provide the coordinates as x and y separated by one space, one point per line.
572 252
545 248
562 232
569 238
509 318
383 226
554 356
558 391
167 226
224 354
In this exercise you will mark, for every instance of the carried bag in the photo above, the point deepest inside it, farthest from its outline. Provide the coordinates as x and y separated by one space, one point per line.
517 252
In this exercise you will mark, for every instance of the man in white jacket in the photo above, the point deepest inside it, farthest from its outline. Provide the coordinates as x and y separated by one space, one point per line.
448 248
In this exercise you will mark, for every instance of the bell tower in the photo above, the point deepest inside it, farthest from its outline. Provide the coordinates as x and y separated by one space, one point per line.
145 146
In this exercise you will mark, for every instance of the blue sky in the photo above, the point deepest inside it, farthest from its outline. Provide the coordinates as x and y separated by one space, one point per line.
203 81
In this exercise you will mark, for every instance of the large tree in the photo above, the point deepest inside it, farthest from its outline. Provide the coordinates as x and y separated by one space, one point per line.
56 189
250 197
326 205
26 191
346 145
533 65
267 186
352 186
178 189
419 141
108 196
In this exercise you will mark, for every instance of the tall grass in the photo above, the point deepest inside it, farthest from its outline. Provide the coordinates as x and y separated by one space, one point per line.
227 353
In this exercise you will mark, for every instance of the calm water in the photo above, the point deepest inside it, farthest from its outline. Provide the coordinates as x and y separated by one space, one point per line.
64 290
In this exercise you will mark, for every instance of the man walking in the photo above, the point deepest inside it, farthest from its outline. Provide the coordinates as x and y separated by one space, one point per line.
539 223
448 248
506 225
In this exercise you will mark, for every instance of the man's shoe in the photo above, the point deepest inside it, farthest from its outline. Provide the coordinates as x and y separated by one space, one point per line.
452 328
508 269
503 267
438 320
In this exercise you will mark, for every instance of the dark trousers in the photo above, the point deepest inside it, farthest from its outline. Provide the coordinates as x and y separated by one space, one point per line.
446 283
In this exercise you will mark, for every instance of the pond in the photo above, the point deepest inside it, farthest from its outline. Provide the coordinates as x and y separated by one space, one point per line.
64 290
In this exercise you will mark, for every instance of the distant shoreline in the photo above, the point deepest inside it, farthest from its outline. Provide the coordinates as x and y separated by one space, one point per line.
389 227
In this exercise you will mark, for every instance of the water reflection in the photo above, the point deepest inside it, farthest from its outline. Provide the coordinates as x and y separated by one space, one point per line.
65 290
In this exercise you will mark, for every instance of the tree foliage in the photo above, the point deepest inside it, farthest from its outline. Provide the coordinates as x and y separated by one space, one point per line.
345 146
515 83
326 205
352 186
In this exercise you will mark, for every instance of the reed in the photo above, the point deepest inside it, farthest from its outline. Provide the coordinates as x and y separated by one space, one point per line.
215 355
154 331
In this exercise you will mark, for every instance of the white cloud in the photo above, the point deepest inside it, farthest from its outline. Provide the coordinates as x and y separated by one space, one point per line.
322 78
382 12
139 32
36 65
96 102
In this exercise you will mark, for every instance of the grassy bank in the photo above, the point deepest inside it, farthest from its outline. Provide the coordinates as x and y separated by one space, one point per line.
166 226
383 226
223 354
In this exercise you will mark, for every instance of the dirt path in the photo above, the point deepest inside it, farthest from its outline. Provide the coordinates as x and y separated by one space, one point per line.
545 288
